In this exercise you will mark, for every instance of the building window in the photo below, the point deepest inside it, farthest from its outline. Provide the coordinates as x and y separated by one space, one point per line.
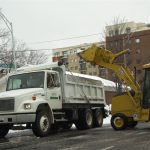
75 51
57 54
83 66
137 40
65 53
71 68
111 44
94 73
76 67
128 30
111 33
83 71
116 32
82 48
102 72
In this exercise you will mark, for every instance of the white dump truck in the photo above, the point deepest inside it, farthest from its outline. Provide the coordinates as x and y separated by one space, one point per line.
47 97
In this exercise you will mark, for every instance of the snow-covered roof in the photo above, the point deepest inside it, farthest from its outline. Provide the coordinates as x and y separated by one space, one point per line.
37 67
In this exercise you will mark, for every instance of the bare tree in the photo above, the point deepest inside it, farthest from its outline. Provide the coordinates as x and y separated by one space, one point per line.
5 49
23 54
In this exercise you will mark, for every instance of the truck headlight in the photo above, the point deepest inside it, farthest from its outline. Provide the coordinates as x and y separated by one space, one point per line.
27 106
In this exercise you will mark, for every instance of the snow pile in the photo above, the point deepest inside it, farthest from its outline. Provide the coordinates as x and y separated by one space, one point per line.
107 119
108 85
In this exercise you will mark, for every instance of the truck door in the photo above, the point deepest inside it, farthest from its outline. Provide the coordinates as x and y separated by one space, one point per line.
53 90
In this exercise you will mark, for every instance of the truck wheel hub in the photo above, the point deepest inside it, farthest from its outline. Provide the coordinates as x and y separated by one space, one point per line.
89 119
44 123
99 118
118 122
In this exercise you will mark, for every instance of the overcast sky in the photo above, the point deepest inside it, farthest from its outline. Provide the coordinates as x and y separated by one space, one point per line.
46 20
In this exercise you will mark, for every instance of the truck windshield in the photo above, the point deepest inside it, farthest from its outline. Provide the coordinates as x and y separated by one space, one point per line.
146 89
26 80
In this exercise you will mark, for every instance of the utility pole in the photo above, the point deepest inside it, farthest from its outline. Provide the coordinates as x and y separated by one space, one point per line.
10 27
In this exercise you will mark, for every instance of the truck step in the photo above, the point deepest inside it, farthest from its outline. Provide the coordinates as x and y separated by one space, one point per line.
59 113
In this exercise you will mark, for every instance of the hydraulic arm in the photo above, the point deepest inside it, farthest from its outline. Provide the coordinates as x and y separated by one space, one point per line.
104 58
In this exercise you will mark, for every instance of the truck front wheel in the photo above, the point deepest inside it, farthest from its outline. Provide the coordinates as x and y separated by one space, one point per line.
4 129
41 126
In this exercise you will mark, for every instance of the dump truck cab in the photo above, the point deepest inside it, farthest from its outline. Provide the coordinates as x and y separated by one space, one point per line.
47 97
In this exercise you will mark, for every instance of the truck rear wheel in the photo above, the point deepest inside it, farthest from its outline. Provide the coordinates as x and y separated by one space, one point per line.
4 129
98 118
41 126
119 121
85 120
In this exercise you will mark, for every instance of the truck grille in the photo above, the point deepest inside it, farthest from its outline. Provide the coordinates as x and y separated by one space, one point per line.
7 105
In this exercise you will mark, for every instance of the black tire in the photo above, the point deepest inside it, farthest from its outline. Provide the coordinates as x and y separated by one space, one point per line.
98 118
41 126
132 124
119 121
85 120
4 129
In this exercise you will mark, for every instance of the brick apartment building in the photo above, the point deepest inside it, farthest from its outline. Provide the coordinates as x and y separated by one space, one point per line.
136 37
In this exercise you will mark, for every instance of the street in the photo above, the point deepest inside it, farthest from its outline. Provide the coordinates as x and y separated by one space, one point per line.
104 138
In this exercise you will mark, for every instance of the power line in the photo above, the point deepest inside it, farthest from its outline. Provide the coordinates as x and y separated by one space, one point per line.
34 50
75 37
27 50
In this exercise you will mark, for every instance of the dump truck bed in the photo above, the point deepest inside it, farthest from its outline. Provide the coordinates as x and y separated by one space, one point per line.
81 88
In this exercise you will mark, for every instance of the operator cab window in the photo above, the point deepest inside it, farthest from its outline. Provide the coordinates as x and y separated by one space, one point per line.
52 80
146 89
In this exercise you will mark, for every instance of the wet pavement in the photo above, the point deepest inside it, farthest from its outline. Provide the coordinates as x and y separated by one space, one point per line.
104 138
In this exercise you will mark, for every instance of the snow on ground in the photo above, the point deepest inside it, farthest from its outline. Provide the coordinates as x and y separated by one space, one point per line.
107 120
